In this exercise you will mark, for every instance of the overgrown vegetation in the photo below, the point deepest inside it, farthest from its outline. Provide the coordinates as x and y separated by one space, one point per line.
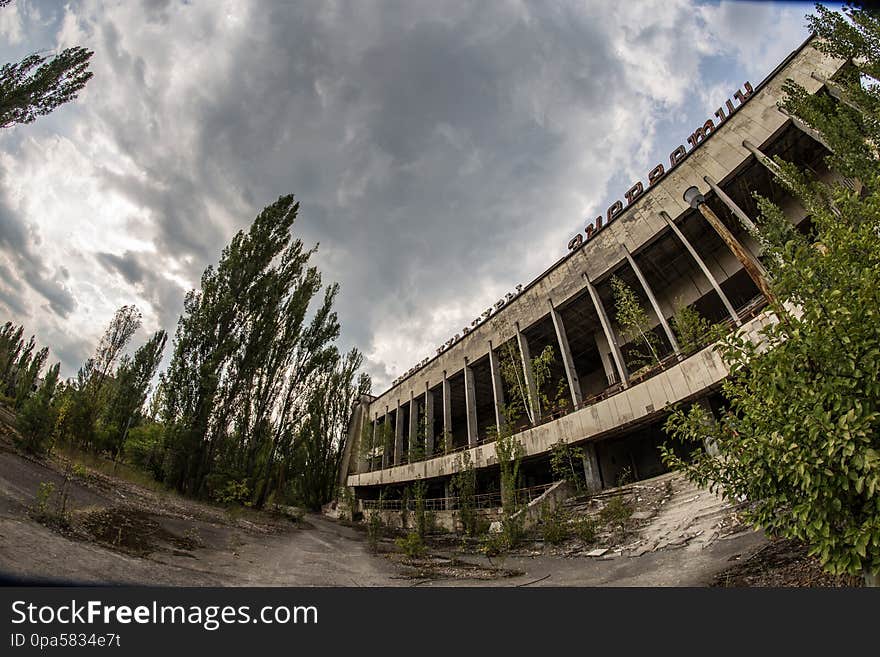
635 325
567 463
800 437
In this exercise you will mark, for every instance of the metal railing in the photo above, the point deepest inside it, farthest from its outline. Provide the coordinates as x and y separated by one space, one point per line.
481 501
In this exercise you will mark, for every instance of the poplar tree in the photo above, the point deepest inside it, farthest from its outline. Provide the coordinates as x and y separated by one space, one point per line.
38 83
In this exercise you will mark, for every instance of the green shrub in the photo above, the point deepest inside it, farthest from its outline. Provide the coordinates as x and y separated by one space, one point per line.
411 544
375 531
555 524
585 528
616 513
234 492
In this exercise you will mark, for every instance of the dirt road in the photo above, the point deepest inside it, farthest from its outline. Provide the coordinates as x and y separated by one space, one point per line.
125 533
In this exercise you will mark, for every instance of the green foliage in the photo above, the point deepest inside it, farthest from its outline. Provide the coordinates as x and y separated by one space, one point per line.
555 524
143 448
423 519
412 544
233 492
464 486
129 391
375 527
635 326
49 506
585 528
567 463
37 85
692 330
616 513
36 419
253 387
800 438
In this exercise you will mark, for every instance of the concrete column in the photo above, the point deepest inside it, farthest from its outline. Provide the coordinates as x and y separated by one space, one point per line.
574 383
603 348
702 265
526 357
733 207
652 299
470 405
429 421
592 474
373 442
387 454
447 413
497 388
398 437
609 334
413 424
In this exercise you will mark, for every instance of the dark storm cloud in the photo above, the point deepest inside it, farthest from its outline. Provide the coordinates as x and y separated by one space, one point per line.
434 147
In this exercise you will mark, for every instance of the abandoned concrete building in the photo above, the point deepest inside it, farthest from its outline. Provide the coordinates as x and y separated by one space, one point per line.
668 251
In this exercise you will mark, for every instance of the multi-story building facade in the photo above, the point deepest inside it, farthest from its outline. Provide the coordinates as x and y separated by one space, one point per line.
667 252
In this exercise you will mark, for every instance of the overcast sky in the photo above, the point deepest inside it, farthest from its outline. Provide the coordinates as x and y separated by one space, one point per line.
442 152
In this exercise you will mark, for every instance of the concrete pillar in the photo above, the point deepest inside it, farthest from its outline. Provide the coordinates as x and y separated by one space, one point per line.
702 265
448 494
387 453
603 349
574 383
398 437
592 474
733 207
497 388
373 441
652 300
413 425
429 421
526 357
609 334
470 405
447 413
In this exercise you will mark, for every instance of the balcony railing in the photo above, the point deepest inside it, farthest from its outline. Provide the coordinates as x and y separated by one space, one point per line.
482 501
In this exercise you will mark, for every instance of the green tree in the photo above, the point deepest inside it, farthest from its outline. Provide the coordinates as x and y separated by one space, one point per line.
692 330
36 418
130 389
38 84
801 438
635 326
249 392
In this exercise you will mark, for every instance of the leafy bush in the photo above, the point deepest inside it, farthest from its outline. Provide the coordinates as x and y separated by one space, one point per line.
375 531
234 492
411 544
616 513
585 528
555 524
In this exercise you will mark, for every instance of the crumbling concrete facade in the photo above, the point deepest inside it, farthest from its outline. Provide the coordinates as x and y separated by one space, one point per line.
667 253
